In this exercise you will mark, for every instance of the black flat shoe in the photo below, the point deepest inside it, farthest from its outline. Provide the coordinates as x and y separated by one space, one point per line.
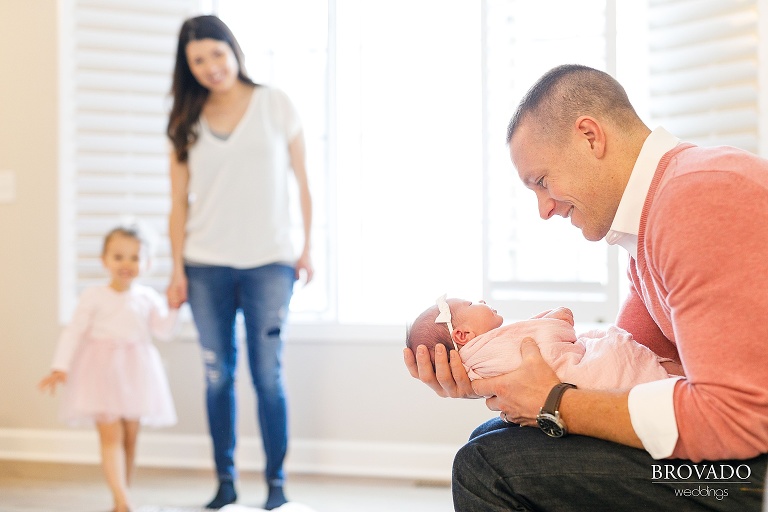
224 496
276 497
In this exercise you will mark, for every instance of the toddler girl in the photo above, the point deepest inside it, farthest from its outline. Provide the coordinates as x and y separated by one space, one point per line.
113 373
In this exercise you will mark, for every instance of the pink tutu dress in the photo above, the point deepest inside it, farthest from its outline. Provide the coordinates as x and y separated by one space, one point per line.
113 368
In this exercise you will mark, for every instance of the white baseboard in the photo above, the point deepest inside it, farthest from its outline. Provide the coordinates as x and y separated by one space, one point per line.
369 459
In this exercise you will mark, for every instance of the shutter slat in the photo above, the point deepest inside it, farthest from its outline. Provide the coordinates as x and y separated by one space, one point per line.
175 8
93 229
707 54
704 30
149 163
715 98
701 78
139 22
91 58
131 121
119 102
666 12
723 121
125 42
111 205
155 84
154 186
127 143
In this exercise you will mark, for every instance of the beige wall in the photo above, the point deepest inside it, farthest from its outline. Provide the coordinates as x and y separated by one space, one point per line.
355 394
28 224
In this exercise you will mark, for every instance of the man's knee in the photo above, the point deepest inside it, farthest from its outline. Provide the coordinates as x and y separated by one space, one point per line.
468 462
488 426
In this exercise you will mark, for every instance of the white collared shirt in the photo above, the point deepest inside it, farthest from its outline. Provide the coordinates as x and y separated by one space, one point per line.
651 405
626 223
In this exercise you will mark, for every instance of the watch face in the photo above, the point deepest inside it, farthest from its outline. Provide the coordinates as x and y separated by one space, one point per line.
550 425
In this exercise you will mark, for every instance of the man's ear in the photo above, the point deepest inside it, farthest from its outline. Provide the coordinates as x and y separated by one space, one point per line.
590 131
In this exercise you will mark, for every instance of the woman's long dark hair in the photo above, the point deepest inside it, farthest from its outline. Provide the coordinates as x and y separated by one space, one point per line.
188 95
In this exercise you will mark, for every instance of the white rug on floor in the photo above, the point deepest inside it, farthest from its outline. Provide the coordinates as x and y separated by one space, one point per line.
150 508
291 506
288 507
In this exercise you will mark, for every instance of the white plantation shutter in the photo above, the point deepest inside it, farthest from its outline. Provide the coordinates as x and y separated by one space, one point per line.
705 77
117 61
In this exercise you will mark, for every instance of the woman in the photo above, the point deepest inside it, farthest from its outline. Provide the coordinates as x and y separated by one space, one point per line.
234 142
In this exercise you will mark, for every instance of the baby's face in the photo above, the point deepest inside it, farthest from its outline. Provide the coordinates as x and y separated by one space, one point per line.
477 317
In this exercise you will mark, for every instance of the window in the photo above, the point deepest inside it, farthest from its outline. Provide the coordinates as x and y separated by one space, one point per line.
417 111
286 45
397 157
405 105
533 265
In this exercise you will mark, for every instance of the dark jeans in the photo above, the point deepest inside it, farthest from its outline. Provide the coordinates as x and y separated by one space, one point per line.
504 467
262 294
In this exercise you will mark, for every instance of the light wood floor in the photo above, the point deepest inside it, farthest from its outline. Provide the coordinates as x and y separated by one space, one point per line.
47 487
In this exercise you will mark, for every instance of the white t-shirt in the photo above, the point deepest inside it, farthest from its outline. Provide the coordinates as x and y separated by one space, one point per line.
238 188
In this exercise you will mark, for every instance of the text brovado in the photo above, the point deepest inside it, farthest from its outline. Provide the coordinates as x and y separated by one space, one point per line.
722 472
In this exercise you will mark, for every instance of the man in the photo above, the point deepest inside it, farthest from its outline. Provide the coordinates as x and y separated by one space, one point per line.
693 222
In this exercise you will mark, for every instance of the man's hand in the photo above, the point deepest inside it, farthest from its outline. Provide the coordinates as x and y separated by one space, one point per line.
447 379
520 393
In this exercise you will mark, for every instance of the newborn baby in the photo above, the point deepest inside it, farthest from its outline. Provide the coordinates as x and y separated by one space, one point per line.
597 359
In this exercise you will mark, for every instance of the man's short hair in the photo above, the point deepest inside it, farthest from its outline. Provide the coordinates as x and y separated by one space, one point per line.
566 92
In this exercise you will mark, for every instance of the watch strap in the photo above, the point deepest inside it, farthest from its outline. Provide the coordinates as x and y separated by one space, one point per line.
553 399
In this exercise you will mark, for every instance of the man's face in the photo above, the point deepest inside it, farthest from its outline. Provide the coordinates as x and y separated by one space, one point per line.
568 179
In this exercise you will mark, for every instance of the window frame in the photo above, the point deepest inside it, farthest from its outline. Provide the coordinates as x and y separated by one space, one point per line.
591 301
325 326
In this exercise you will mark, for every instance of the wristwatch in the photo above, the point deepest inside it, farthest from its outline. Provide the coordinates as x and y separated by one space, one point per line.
549 417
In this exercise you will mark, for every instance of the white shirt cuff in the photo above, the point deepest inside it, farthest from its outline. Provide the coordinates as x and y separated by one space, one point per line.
652 412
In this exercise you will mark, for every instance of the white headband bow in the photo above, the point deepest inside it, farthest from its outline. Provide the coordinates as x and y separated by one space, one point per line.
445 316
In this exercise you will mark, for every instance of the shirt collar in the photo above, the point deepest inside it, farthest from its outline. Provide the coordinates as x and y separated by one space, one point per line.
626 223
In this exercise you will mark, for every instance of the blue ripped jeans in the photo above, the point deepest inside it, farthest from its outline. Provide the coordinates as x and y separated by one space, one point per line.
263 295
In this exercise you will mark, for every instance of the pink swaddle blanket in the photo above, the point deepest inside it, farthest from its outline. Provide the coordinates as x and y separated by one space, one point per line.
597 359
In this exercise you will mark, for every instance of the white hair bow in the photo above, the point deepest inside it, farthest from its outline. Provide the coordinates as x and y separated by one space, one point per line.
444 317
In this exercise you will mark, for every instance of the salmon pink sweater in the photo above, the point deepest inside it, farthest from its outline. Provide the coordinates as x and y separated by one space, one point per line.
699 293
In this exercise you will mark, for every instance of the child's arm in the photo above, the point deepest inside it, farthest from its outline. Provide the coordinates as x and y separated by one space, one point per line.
53 379
76 330
163 321
165 326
